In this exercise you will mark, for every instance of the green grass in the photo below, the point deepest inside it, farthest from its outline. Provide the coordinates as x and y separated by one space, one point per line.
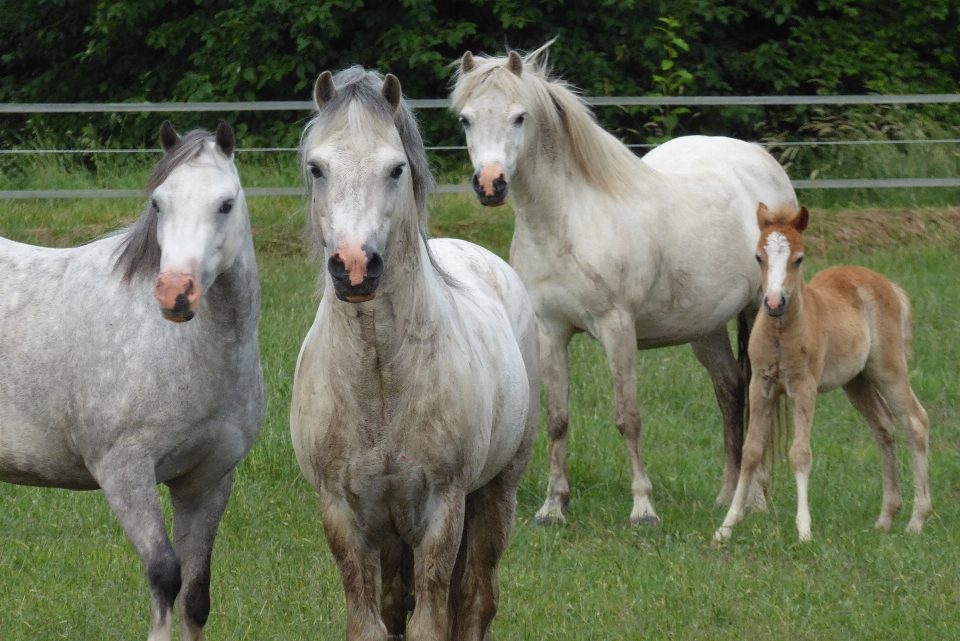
66 570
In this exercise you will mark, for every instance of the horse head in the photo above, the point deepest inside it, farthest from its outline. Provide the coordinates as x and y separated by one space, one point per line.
194 222
780 255
365 169
490 98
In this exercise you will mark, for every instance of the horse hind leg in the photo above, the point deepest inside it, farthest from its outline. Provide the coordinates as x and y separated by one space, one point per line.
866 400
196 518
396 562
730 385
129 485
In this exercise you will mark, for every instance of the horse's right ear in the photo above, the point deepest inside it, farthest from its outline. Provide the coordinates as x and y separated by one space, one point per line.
168 136
515 63
801 220
467 63
324 91
763 216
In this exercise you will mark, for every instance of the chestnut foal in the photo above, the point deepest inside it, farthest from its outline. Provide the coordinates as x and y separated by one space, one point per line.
850 328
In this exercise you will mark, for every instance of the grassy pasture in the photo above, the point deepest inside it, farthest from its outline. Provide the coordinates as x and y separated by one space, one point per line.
66 570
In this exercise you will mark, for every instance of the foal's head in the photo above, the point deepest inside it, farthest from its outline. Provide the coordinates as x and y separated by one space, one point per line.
366 171
780 254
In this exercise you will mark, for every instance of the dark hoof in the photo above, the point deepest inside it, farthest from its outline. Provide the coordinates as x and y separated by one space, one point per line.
645 521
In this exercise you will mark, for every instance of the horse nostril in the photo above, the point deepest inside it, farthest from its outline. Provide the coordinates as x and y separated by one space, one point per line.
336 267
374 265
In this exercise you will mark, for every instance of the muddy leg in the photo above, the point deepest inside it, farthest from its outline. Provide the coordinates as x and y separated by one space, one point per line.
866 400
619 339
555 374
396 562
195 522
714 353
434 559
359 569
761 420
129 484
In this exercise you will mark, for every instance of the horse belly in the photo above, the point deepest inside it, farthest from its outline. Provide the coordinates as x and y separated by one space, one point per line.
31 456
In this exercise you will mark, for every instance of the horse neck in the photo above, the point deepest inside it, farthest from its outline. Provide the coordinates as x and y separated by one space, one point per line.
234 297
550 184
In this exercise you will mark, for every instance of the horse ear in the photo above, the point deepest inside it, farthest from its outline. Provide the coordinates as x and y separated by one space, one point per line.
467 63
801 220
515 63
763 216
391 91
168 136
324 91
226 139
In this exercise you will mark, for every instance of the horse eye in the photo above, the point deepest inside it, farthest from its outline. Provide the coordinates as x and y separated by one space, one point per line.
464 121
315 171
397 171
153 203
226 207
519 120
798 260
759 259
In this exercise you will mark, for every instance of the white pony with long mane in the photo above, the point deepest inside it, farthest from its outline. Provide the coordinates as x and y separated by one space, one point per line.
637 253
99 391
415 400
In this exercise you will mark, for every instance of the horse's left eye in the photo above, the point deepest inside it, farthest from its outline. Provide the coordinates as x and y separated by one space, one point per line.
226 207
798 260
519 119
397 171
464 121
759 259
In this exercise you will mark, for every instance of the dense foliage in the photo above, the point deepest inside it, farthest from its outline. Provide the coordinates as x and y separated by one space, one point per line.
213 50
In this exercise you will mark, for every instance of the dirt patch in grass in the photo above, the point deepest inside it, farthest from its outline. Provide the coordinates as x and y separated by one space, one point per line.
836 233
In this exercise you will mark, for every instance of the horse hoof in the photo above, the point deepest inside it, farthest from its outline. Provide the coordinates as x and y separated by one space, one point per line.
548 518
647 520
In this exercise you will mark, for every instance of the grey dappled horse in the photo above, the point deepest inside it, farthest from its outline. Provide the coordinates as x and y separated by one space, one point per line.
97 390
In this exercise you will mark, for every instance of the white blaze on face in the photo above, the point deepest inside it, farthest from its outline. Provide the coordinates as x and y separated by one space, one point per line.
778 253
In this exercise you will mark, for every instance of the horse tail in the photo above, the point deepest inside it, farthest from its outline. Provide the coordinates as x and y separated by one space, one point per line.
746 372
906 319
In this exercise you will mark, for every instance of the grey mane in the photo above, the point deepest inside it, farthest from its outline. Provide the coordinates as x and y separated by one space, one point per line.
139 252
356 84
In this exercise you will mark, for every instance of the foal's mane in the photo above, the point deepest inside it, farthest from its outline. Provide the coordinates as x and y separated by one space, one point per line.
358 85
560 112
139 251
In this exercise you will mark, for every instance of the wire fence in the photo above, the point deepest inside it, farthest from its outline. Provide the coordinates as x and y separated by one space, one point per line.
623 101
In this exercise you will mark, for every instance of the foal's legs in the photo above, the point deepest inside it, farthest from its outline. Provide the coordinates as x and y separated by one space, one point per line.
804 402
714 353
913 419
489 519
865 399
762 411
555 374
196 517
129 484
619 337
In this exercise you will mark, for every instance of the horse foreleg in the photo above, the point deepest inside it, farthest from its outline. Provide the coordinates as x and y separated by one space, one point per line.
396 567
196 518
866 400
129 485
729 384
619 337
555 374
359 567
433 561
804 402
761 419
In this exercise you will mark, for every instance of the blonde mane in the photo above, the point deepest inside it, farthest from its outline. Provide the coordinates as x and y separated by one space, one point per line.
562 116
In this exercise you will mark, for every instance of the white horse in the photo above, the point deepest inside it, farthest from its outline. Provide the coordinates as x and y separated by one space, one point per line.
638 253
97 390
415 401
